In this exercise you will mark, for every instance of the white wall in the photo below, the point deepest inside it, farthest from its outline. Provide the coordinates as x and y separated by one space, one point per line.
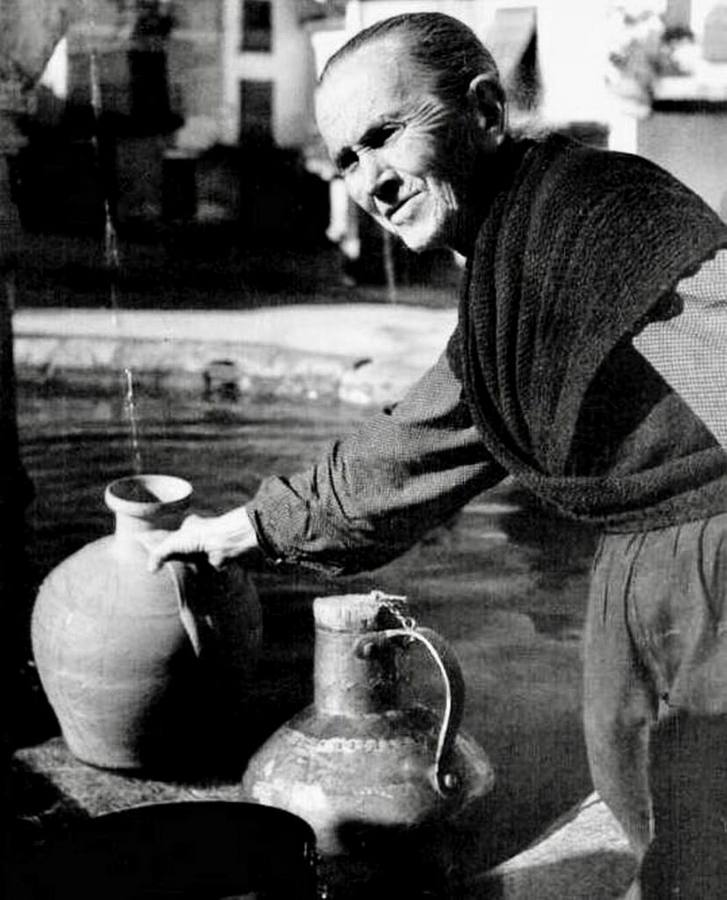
700 10
572 48
692 146
572 45
195 70
55 74
478 15
289 66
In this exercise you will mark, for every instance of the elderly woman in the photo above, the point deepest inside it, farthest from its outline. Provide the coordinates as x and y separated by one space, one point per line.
584 270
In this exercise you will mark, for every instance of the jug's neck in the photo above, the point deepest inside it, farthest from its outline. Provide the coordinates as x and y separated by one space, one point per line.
347 683
128 526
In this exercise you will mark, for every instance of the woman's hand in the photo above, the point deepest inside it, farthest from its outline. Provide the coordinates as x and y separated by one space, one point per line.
219 538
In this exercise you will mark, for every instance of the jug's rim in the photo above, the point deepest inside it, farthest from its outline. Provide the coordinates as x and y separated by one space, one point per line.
147 494
374 611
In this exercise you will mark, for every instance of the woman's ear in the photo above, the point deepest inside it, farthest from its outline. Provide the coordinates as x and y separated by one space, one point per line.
486 99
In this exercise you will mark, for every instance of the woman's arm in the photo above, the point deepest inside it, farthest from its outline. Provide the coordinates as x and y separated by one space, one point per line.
369 498
690 350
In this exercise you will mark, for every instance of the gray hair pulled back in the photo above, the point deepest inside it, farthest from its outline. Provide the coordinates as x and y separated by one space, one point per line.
441 46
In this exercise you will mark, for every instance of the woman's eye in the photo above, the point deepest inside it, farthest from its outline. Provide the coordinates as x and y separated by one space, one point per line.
347 160
382 135
375 138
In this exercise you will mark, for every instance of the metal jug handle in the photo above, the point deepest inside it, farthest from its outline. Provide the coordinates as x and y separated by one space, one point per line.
445 781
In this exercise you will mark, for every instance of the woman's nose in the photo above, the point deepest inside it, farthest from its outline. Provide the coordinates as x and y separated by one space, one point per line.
379 181
386 188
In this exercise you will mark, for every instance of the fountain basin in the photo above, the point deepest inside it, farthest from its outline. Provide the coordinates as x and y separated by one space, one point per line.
283 351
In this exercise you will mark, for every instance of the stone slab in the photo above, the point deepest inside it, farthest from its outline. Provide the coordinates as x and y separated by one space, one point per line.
51 787
359 353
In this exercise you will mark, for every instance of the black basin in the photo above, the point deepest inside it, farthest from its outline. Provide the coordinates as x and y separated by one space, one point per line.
204 850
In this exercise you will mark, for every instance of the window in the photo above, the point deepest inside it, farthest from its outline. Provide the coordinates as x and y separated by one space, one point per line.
257 25
256 110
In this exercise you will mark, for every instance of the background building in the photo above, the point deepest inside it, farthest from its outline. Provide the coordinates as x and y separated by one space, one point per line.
200 105
205 107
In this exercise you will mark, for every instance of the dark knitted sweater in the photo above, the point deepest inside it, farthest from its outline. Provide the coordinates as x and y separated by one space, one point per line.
576 254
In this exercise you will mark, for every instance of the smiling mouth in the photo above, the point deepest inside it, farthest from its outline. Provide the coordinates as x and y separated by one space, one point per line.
394 212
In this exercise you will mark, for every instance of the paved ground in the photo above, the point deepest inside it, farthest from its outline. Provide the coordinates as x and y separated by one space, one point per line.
203 268
282 319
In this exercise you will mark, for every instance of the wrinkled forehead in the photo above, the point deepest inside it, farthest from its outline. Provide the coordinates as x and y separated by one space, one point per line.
375 81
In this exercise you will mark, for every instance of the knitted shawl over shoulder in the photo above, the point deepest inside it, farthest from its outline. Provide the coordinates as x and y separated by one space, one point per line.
575 255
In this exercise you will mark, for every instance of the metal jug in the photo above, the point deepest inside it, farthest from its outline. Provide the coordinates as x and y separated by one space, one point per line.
373 773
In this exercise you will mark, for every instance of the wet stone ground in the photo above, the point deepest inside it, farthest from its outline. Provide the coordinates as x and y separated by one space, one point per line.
504 582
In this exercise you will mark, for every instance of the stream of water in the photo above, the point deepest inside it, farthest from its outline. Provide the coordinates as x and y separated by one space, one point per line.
130 409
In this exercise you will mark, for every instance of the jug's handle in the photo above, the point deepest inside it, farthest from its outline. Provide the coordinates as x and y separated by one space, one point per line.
189 623
445 781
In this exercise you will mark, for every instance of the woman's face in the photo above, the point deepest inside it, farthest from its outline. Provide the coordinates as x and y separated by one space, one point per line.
407 158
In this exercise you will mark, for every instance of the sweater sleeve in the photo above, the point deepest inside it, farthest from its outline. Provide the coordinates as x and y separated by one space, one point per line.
377 491
689 350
